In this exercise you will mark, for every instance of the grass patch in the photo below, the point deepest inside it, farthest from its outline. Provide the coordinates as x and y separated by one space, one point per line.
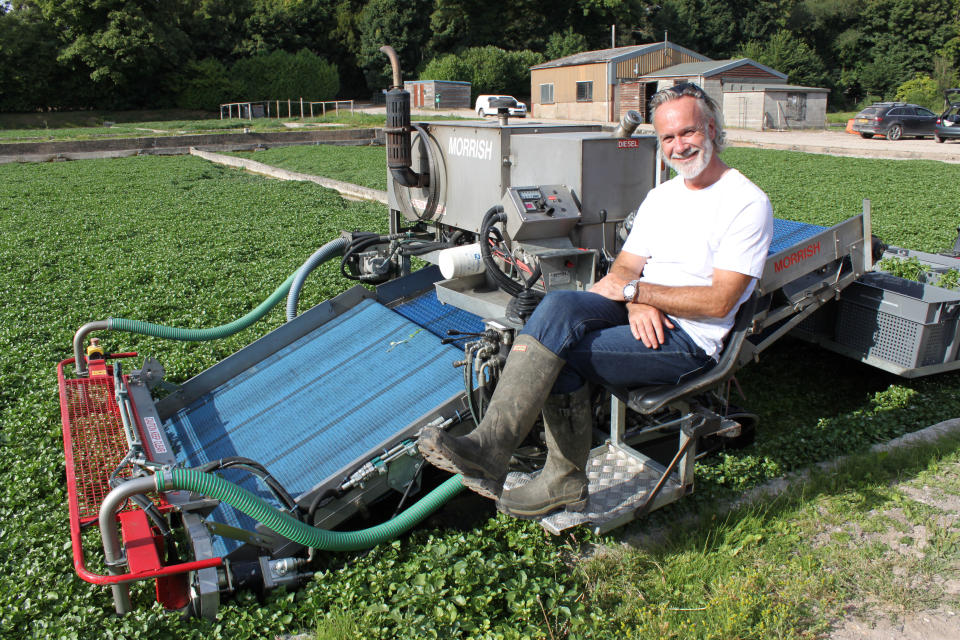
187 243
365 166
840 117
96 118
96 125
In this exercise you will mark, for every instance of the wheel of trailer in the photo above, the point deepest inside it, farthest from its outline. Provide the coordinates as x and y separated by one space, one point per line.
866 135
480 112
895 132
937 138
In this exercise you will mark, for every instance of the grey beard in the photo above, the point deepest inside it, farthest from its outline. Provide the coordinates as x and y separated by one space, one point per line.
691 171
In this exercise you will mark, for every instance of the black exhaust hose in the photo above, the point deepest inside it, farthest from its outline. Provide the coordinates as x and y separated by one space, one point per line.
399 145
397 131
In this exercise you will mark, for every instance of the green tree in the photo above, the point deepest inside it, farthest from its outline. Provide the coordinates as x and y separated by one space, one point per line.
287 25
206 85
921 90
126 47
280 75
790 55
905 36
529 24
217 29
709 28
402 25
565 43
944 74
30 74
487 69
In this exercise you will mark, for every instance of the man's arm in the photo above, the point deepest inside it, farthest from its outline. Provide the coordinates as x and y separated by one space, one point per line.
713 301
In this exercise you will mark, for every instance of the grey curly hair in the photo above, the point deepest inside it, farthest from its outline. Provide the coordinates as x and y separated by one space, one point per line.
708 107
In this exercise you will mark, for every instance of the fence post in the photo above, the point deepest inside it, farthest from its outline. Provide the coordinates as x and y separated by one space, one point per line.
278 110
289 113
301 107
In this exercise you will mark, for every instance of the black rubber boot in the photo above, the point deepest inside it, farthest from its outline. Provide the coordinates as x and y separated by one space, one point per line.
563 480
483 455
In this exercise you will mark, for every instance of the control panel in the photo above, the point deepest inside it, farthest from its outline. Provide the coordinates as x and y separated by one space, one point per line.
545 211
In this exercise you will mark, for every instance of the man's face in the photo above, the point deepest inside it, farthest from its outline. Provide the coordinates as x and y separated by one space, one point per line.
685 136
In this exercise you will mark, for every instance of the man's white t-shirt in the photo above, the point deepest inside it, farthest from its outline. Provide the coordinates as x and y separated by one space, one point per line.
685 234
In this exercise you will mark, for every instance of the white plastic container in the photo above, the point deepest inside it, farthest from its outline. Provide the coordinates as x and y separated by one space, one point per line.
461 261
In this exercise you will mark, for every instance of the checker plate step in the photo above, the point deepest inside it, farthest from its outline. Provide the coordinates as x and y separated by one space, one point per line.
618 482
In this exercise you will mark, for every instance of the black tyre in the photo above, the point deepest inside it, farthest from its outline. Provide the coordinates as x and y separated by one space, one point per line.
937 137
895 132
866 135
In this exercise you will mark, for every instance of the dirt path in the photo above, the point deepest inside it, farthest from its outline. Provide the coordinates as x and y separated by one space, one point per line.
840 143
908 543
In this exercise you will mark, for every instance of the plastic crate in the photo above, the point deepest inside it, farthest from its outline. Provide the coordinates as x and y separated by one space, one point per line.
906 323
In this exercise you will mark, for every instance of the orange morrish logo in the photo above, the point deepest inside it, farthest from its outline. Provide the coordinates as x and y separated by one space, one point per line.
797 256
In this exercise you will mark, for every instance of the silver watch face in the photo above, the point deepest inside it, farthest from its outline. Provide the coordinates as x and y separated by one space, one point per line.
628 291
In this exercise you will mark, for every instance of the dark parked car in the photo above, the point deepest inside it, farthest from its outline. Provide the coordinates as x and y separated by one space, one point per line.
894 120
948 123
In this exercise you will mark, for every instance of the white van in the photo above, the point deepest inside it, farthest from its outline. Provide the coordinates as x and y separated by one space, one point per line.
516 108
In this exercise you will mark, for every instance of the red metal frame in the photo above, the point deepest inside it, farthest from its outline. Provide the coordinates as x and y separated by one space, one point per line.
92 403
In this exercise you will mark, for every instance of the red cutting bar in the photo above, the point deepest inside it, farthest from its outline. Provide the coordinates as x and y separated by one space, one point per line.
93 439
90 416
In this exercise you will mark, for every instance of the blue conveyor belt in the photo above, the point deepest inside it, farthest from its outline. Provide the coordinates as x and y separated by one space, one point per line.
787 233
437 318
319 404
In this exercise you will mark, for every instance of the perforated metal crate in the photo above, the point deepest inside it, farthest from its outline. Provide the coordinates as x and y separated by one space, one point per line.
886 318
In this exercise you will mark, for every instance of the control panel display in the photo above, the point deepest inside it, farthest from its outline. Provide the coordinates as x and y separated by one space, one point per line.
540 211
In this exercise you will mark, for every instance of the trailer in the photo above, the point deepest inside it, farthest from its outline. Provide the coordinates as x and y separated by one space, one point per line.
241 476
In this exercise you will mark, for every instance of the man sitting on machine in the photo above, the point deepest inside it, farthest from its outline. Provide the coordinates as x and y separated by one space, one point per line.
697 246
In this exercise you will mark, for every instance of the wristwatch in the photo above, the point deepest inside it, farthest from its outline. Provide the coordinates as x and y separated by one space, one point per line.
630 291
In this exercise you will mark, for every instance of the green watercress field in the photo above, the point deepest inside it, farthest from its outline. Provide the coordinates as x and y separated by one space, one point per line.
186 243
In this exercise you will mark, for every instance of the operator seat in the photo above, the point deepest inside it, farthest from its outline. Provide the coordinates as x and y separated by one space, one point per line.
650 399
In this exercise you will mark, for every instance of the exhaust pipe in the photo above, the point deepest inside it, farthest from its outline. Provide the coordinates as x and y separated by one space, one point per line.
628 124
399 153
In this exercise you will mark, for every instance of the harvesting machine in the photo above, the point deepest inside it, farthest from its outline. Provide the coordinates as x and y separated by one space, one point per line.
236 478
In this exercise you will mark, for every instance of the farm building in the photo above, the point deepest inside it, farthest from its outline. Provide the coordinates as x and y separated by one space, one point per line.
452 94
584 86
774 106
603 85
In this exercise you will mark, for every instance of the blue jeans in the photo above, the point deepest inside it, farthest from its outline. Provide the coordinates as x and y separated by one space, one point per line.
591 334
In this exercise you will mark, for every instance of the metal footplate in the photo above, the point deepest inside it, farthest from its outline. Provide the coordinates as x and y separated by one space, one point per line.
620 479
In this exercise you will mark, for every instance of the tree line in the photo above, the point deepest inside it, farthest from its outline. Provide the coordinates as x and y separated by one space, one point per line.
81 54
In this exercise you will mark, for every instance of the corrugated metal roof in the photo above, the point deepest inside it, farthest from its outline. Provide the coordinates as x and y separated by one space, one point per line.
437 81
709 68
612 55
739 87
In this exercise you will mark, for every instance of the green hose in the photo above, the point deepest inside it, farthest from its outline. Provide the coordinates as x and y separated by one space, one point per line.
282 523
198 335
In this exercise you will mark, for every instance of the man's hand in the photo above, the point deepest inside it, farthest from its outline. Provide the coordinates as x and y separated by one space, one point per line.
625 268
609 286
647 323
